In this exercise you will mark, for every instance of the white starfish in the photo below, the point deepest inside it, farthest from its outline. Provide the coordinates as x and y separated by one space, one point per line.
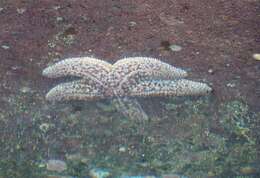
133 76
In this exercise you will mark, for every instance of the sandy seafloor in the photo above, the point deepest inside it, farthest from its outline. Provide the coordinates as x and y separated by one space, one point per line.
211 136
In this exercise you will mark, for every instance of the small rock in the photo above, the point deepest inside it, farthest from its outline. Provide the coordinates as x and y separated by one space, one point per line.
56 165
231 85
122 149
16 68
59 19
256 56
175 48
99 173
132 24
248 170
5 47
56 7
210 71
21 10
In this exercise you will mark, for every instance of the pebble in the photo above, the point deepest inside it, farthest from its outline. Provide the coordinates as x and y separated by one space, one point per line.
211 71
132 24
122 149
175 48
247 170
21 10
99 173
59 19
256 56
231 85
5 47
56 165
56 7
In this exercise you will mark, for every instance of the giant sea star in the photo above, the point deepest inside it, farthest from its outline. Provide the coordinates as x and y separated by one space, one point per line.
133 76
128 77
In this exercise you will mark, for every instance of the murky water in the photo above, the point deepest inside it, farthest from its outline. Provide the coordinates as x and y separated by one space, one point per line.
211 136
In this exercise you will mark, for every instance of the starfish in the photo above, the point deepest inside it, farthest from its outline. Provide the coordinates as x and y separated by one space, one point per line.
133 76
128 77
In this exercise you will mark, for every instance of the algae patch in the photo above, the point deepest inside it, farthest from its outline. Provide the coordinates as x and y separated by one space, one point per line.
192 137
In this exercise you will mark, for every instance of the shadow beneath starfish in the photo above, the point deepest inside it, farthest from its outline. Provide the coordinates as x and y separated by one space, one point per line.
128 107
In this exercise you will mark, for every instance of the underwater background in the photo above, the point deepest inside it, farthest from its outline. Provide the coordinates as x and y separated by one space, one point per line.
211 136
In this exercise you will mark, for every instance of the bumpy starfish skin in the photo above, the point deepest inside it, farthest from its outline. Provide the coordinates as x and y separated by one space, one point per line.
76 90
128 72
88 68
150 66
134 76
179 87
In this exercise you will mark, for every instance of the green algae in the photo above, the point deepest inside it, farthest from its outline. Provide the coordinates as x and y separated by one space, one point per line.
193 137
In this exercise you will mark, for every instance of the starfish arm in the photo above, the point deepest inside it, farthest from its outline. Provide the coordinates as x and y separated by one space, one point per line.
85 67
151 67
76 90
181 87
